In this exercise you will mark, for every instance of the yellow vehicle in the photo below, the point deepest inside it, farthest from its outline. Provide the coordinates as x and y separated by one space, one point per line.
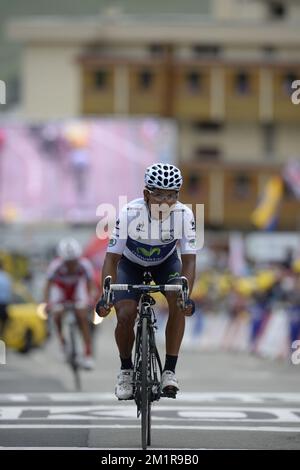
25 328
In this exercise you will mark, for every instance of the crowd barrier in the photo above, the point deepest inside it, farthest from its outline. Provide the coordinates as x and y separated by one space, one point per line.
269 335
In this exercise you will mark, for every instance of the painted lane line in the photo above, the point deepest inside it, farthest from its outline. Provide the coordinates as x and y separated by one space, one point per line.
155 426
162 413
191 397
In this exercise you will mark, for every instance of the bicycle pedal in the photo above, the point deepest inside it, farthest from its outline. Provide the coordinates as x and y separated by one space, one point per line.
169 392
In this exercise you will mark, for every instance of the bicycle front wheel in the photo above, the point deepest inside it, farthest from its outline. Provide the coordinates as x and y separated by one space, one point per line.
74 358
145 397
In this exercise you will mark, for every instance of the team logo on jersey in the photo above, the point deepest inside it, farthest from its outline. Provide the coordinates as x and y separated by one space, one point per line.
167 237
173 276
112 242
192 243
148 253
140 227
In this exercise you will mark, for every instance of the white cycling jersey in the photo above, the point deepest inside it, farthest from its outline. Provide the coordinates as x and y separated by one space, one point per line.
149 242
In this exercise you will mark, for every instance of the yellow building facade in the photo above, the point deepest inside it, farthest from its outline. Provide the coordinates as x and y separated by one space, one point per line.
226 79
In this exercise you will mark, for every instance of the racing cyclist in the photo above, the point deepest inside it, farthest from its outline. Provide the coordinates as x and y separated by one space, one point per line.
70 279
144 239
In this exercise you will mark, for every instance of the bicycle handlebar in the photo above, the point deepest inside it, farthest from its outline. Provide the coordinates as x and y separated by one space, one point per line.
108 288
146 288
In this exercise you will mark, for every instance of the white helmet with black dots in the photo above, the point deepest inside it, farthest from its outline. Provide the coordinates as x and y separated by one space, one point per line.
163 176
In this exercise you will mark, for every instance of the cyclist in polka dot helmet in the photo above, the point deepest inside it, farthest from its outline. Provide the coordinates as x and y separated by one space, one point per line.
163 176
148 236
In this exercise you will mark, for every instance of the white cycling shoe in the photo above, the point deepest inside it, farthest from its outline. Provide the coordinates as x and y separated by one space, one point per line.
124 387
168 379
87 362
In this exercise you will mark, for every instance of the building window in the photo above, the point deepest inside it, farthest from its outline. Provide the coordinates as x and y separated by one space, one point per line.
145 80
207 153
287 81
100 79
207 126
193 82
156 50
277 10
194 184
269 52
206 51
242 84
241 186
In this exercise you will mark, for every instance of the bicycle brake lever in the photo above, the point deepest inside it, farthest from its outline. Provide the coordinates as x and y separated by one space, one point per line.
107 294
185 292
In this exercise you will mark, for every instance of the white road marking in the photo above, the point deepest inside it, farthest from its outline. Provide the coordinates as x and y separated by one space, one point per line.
154 426
188 412
284 397
191 397
18 397
220 415
174 413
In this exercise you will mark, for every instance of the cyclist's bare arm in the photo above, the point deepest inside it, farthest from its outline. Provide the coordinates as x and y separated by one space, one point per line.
188 271
109 269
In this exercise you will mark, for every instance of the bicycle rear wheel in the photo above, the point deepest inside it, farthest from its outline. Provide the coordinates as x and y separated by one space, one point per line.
145 395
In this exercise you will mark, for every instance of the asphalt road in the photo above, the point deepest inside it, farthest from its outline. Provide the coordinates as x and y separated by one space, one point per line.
227 401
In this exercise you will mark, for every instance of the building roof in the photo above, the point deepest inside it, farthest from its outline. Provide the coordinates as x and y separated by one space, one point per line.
78 7
10 51
115 28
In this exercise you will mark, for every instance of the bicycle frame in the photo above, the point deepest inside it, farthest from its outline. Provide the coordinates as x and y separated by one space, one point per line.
70 320
147 366
73 357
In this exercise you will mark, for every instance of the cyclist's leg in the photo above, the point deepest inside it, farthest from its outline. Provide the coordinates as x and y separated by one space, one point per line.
82 319
81 300
166 273
58 315
175 326
81 312
126 308
56 299
124 335
126 311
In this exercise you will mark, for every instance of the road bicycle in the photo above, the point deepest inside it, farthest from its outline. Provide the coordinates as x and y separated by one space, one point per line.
147 368
72 335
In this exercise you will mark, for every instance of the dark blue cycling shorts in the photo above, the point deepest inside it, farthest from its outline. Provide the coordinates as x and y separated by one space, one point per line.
132 273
